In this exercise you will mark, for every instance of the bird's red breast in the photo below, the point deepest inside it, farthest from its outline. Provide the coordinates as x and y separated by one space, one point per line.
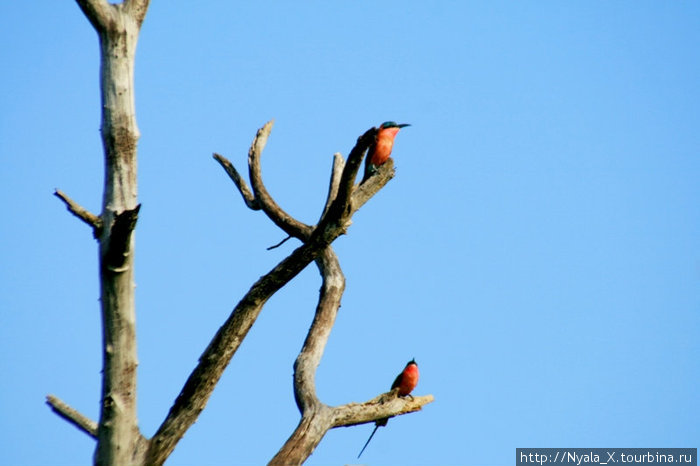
383 146
407 380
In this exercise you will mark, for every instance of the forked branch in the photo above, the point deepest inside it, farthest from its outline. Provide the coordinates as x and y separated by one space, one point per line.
104 15
240 183
216 357
316 417
98 12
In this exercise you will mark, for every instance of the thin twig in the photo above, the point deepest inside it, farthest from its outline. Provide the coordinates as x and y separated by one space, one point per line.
240 183
275 246
72 415
83 214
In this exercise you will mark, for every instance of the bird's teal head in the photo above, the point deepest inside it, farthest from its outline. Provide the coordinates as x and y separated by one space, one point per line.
392 124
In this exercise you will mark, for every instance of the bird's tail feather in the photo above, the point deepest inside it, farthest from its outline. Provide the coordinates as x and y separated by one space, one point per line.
370 438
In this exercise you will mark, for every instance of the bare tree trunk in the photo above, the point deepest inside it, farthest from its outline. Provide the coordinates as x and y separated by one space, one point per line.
119 440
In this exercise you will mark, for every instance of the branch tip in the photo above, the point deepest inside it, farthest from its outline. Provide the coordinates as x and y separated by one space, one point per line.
340 210
72 416
83 214
274 212
279 244
240 183
382 406
336 173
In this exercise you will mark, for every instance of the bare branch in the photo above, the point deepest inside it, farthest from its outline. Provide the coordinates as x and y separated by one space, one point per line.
312 426
240 183
282 219
316 417
259 198
200 384
99 12
340 207
72 415
275 246
369 188
385 405
83 214
310 356
318 420
336 173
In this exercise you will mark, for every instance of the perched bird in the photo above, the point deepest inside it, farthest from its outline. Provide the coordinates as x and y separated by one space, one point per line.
406 381
380 151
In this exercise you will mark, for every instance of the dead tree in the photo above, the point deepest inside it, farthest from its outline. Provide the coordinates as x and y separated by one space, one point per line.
119 439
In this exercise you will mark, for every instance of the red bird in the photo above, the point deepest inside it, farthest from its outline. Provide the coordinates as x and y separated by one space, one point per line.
406 381
380 151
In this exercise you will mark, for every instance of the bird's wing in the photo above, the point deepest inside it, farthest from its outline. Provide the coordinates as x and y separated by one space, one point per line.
397 381
369 168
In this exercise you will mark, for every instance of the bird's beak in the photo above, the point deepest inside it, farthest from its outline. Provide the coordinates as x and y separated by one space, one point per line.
403 125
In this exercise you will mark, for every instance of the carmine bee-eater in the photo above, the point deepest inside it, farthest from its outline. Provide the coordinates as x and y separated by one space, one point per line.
380 151
406 381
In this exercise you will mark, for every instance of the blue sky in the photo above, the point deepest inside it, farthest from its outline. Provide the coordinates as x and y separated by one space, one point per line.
537 252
